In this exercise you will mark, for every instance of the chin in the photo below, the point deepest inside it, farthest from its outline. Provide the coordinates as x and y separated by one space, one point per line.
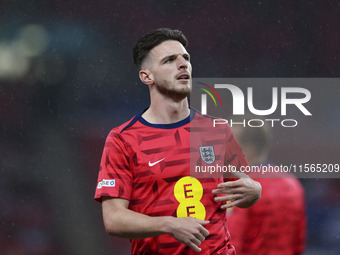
179 95
177 92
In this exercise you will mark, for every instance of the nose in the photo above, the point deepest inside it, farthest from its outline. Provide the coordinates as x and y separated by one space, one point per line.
182 63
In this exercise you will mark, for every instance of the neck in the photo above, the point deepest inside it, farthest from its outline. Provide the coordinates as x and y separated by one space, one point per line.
166 111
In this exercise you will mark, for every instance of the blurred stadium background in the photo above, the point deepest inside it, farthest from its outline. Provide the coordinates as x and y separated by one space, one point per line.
67 78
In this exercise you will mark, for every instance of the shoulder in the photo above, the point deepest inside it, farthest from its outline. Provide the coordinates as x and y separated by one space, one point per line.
118 133
126 125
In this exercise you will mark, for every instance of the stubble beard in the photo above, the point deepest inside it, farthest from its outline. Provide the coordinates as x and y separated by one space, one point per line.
173 92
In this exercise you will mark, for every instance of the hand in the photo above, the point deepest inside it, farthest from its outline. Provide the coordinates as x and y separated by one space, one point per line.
189 231
242 193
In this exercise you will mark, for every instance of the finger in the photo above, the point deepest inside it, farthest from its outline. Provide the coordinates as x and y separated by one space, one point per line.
230 184
199 238
240 175
231 204
227 197
194 247
228 190
202 222
222 191
204 231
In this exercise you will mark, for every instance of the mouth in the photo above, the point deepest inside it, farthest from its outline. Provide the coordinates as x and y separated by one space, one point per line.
183 77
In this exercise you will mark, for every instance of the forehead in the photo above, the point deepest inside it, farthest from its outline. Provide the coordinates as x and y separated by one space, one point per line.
167 48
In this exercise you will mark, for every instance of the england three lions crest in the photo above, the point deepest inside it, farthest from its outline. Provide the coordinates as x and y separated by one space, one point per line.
207 154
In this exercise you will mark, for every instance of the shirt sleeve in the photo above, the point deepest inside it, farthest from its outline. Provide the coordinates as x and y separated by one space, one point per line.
115 177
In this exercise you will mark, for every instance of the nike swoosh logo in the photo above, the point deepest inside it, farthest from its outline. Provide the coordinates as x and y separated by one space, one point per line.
154 163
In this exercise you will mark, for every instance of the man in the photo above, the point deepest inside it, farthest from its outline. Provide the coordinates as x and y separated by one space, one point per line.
144 181
276 223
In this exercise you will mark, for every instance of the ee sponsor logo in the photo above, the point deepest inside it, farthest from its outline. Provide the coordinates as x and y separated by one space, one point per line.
189 191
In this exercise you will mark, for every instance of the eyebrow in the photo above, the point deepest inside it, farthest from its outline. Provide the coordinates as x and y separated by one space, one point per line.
174 56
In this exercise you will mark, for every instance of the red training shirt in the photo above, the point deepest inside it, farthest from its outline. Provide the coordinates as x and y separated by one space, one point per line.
149 165
276 224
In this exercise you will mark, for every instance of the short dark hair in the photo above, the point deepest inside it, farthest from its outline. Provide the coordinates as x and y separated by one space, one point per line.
152 39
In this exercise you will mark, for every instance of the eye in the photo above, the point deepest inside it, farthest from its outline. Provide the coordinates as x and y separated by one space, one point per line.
169 60
186 57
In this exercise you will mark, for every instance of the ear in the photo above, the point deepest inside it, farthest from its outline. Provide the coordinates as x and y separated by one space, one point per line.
146 77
